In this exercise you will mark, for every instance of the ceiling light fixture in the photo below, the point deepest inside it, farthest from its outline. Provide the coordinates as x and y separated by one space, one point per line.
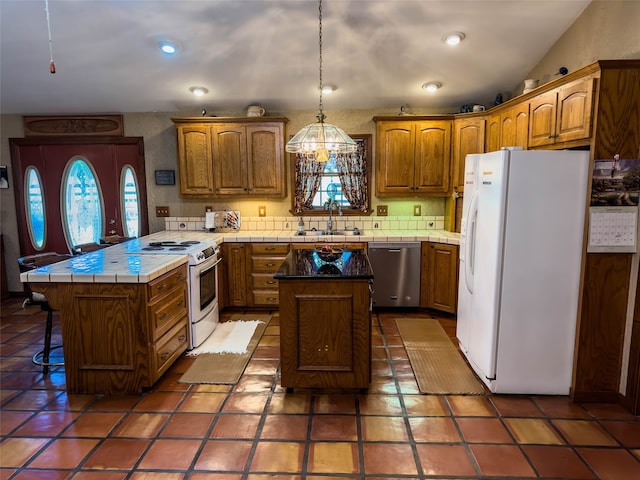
320 140
199 91
453 39
328 88
167 47
432 86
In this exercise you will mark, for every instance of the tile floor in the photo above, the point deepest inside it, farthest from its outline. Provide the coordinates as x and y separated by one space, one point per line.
256 431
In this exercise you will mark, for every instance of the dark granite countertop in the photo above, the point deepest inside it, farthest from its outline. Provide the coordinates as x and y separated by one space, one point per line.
307 263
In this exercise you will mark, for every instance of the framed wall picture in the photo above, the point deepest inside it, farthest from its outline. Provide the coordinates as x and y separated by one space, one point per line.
165 177
4 177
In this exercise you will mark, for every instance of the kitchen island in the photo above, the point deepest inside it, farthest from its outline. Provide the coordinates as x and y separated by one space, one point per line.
325 326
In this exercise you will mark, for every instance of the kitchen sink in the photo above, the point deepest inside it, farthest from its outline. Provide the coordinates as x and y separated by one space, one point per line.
318 233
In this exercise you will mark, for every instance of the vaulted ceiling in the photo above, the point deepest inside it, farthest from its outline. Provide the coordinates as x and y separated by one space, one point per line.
378 52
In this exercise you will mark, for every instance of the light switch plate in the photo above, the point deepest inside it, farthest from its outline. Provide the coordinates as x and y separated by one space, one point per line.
262 211
382 210
417 210
162 211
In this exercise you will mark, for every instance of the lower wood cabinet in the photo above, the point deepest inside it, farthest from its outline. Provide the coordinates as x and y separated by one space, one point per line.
325 333
235 267
264 260
439 277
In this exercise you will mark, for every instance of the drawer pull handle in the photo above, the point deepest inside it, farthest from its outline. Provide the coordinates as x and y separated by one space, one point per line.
271 264
182 338
165 355
269 248
180 303
161 286
270 282
271 299
163 316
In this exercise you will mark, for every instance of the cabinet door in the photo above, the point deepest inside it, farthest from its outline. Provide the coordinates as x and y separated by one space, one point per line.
468 137
433 157
514 126
439 276
493 133
542 123
195 165
235 267
265 160
395 154
575 103
230 159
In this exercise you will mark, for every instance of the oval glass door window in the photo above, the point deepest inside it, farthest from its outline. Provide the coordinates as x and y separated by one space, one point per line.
35 207
130 203
82 201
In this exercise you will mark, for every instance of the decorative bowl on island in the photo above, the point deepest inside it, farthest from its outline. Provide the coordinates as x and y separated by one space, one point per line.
328 253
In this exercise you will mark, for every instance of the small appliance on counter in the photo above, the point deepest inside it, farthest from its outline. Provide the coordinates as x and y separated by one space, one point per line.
222 219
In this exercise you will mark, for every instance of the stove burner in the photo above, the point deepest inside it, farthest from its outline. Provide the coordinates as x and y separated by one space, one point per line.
153 248
174 249
173 243
190 242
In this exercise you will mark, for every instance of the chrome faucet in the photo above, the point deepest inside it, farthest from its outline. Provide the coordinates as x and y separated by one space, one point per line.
330 204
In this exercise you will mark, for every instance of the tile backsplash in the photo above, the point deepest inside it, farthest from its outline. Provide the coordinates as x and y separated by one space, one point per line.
319 223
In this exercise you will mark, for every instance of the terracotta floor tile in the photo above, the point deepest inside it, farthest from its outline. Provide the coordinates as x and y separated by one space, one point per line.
141 425
31 399
117 454
217 476
45 424
380 405
584 433
608 411
515 406
626 432
402 367
335 404
10 420
285 427
334 427
290 403
236 425
245 402
43 475
262 367
71 402
97 475
254 383
611 464
483 430
557 462
188 425
285 457
434 429
561 407
223 455
408 385
383 385
445 460
159 402
471 406
425 405
389 458
383 429
64 453
333 457
501 461
156 476
210 388
170 455
533 431
115 403
93 424
398 353
16 451
202 403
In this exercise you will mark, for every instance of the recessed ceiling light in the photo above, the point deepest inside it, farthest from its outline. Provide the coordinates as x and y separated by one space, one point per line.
168 48
328 88
199 91
431 86
453 39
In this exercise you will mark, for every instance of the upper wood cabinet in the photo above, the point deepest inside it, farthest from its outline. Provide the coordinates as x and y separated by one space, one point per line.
492 138
514 126
562 115
468 137
229 156
412 156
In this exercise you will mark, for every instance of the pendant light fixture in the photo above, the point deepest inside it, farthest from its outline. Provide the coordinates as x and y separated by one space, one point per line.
319 140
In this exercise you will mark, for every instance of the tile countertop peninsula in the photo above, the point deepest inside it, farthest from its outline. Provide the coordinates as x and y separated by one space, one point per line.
118 263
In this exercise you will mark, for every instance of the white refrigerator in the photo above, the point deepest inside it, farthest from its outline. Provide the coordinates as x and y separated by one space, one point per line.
521 244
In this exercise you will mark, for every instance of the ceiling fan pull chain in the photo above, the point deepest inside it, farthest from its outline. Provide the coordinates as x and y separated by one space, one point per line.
52 64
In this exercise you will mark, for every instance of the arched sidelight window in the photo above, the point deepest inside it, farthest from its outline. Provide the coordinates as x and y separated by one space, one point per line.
130 202
34 204
81 204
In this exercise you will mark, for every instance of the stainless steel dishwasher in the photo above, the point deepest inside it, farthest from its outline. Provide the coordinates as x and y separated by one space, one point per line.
396 274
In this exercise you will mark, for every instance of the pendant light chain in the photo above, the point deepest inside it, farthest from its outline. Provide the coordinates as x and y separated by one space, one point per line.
321 115
52 64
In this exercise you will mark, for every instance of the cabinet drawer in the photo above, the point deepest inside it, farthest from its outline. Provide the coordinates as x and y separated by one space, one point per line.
165 313
170 346
264 281
270 248
265 297
163 284
266 264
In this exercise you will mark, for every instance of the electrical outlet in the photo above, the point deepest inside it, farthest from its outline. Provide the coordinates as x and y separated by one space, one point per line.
162 211
382 210
208 208
262 211
417 210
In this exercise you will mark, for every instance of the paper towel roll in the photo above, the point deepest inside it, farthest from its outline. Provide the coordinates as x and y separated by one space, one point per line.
209 220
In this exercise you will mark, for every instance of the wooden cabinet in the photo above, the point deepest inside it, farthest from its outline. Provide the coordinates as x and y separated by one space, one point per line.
439 277
264 260
413 157
220 156
249 159
492 139
468 137
120 338
325 333
235 266
514 126
562 115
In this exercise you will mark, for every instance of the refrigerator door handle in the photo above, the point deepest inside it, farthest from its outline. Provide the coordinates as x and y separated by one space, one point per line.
470 243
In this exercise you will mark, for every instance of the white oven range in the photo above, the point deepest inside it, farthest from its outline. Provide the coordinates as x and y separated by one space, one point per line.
204 257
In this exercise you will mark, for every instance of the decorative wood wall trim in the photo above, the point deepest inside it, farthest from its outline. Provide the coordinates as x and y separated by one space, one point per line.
107 125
